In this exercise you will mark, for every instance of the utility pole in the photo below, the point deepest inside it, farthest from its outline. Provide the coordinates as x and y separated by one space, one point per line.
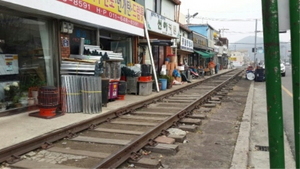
222 31
190 16
255 50
295 41
273 83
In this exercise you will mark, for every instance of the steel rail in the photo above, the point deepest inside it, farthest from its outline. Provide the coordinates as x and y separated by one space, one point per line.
115 160
12 153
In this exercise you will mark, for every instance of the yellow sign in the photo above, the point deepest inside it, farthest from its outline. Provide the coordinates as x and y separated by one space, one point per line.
126 11
232 58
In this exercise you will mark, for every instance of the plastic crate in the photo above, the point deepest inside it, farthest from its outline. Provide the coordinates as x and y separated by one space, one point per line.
145 88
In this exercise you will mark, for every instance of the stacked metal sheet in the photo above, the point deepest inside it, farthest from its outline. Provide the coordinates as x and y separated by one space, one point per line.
91 94
83 94
72 86
77 68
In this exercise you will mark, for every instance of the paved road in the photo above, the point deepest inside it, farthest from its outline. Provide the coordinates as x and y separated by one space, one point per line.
287 99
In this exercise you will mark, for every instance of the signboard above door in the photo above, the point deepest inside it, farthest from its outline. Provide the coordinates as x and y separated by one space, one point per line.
160 24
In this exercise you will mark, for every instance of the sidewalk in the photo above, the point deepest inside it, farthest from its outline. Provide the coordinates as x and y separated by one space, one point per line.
254 131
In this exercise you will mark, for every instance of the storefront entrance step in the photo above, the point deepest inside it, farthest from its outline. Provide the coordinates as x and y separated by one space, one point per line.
170 149
190 121
101 140
197 116
79 152
118 131
165 140
188 128
153 113
145 163
34 164
134 123
142 117
177 138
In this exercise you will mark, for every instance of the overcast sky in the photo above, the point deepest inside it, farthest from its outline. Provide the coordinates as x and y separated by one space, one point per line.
238 16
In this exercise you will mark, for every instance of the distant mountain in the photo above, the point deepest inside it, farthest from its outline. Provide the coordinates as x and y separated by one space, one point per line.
248 42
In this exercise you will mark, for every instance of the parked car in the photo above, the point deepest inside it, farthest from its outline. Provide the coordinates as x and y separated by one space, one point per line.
282 68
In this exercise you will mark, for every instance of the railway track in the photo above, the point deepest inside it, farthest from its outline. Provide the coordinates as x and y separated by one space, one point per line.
117 136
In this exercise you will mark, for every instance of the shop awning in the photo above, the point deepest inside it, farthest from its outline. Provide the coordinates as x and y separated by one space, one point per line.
203 54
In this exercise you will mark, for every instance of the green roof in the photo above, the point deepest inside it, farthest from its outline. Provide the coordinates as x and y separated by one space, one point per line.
204 54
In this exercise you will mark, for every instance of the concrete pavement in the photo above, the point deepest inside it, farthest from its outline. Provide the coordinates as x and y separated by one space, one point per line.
254 131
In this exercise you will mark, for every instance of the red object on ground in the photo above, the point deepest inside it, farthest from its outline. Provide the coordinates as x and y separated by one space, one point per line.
47 112
121 97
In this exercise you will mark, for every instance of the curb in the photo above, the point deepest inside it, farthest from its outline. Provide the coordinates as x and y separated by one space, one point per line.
241 150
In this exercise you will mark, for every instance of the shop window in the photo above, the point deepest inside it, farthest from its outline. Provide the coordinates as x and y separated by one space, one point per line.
25 58
157 6
89 36
124 47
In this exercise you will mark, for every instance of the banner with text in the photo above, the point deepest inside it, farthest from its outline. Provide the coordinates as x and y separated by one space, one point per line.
126 11
160 24
186 44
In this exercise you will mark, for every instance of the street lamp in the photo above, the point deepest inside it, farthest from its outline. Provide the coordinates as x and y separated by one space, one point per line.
188 17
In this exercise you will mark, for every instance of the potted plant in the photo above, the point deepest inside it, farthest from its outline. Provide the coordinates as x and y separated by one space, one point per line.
170 80
12 95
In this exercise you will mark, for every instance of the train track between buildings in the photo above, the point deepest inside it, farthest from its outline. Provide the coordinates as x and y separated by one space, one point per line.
109 140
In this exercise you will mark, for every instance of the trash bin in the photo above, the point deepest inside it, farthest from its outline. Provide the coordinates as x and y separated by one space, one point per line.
260 75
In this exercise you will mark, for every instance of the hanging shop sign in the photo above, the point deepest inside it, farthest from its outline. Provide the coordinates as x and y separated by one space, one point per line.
200 41
160 24
186 44
126 11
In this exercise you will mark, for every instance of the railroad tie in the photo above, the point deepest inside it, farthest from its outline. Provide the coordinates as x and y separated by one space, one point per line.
101 140
215 99
197 116
145 163
134 123
178 138
164 140
214 102
209 105
35 164
153 113
120 131
190 128
170 149
190 121
79 152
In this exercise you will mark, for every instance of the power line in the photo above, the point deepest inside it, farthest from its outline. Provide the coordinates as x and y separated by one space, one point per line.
225 19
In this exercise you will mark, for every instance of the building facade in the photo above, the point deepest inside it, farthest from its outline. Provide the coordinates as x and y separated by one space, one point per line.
36 35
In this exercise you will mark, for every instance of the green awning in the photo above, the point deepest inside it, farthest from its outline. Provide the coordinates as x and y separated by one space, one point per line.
203 54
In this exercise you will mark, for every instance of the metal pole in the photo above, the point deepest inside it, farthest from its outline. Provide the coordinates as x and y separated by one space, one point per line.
273 83
255 50
295 46
151 55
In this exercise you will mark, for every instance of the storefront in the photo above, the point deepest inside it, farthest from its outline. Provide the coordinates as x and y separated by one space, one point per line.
162 31
185 49
36 35
201 54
